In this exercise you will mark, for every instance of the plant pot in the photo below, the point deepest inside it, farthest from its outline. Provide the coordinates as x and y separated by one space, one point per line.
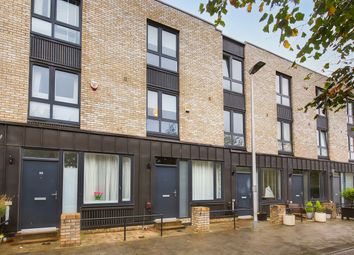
262 216
328 216
309 215
320 217
289 219
347 212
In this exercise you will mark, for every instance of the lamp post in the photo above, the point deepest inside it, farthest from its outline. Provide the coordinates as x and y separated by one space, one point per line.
252 71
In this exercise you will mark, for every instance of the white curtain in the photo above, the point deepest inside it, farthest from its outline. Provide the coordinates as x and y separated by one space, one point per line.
101 175
218 180
70 179
348 180
126 179
202 180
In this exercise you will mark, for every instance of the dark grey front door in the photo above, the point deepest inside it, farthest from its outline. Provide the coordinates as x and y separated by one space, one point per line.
39 202
243 194
297 189
165 191
336 189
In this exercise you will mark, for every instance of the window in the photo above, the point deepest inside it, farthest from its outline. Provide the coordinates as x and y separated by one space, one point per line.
283 90
162 51
351 147
315 185
162 113
57 18
234 129
322 143
70 182
54 95
271 183
320 110
107 178
206 180
284 136
350 113
233 74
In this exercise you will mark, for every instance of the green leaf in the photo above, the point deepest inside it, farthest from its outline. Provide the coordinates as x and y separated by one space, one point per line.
266 28
303 59
201 8
326 66
265 15
299 16
303 35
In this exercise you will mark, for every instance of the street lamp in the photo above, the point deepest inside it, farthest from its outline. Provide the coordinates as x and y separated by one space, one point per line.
252 71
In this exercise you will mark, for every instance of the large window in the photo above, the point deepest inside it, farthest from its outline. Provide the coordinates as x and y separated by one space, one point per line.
206 180
284 136
233 74
234 129
57 18
315 185
283 90
350 113
162 116
70 182
271 183
54 95
107 178
351 147
162 48
322 145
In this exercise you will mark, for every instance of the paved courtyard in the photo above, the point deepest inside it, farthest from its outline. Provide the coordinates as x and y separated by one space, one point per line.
334 237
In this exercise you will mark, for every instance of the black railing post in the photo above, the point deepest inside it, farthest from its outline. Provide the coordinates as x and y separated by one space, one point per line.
161 229
234 219
125 229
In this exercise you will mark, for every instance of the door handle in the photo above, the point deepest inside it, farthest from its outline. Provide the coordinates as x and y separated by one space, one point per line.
55 195
175 193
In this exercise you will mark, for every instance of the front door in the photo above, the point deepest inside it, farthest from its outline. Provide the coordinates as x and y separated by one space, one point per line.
336 189
165 191
297 189
243 194
39 202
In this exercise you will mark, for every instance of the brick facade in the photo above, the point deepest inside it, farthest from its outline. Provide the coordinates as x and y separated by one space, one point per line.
200 218
70 229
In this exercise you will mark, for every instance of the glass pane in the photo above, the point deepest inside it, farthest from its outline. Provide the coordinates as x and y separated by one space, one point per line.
286 101
218 175
183 189
39 110
169 44
269 181
169 107
238 123
65 113
68 12
153 104
66 87
169 64
227 84
126 179
285 86
238 140
236 70
67 34
153 59
152 125
280 145
202 180
323 139
348 180
237 87
29 153
227 121
170 128
278 99
314 184
101 178
227 139
70 182
279 130
40 82
41 27
152 38
286 132
324 152
225 67
277 84
287 147
42 7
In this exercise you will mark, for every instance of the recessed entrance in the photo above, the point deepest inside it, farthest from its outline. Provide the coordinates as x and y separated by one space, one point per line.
243 193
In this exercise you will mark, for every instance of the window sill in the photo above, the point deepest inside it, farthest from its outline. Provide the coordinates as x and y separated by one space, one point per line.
234 92
323 158
52 123
121 204
163 136
286 153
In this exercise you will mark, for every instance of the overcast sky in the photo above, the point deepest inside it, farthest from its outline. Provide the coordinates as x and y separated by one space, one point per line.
245 27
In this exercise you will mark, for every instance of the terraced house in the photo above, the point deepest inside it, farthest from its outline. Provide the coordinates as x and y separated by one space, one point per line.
113 108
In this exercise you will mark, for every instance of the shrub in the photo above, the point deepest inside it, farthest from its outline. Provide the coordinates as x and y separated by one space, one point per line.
319 207
309 207
3 199
348 194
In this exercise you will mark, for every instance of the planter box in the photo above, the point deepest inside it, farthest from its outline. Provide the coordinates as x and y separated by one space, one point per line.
309 215
320 217
289 219
347 212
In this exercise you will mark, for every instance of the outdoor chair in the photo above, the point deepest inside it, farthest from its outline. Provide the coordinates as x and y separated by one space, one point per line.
296 209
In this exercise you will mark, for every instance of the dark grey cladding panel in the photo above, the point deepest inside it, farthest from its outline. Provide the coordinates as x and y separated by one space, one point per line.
350 130
2 134
162 79
55 52
322 123
236 101
233 47
284 112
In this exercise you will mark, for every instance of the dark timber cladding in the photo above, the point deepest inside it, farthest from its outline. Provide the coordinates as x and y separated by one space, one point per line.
233 47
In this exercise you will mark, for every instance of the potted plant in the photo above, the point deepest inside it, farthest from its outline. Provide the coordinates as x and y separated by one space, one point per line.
309 210
289 218
348 210
98 195
320 214
3 200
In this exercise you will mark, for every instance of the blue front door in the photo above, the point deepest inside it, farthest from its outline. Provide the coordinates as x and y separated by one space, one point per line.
298 189
243 194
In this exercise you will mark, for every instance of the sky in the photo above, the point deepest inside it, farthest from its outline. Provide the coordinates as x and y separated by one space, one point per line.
245 27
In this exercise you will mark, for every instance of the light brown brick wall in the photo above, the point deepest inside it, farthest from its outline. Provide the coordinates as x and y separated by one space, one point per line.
14 59
114 55
304 126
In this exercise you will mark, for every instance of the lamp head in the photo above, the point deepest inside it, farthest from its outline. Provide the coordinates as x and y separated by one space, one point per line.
256 67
